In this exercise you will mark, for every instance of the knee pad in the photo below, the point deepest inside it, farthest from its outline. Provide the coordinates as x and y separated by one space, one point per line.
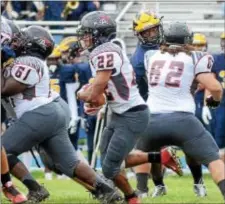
12 160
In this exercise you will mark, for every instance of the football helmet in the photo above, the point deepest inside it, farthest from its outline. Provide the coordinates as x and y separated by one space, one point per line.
200 42
177 33
96 28
8 29
3 5
148 28
34 41
222 41
66 43
56 53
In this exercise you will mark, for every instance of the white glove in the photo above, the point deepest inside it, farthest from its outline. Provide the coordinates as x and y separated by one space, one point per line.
73 125
206 115
83 123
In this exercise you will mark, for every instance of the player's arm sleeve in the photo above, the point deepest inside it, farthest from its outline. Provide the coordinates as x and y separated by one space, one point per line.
108 61
25 74
71 89
204 64
146 59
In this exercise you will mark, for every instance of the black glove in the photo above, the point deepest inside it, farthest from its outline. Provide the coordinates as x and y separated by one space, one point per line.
210 102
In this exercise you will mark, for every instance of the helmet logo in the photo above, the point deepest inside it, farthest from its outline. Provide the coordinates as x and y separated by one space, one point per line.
44 43
103 20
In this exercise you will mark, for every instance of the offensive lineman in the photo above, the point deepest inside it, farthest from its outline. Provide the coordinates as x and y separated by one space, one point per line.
171 71
7 55
42 116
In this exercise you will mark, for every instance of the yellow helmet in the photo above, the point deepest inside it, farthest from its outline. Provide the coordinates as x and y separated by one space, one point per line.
199 42
144 21
222 36
66 43
56 53
199 39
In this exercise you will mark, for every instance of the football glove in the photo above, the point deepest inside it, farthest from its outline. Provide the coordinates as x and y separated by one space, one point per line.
206 115
210 102
73 125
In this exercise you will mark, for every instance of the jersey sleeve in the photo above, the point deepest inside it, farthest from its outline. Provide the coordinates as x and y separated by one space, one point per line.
204 64
107 61
25 74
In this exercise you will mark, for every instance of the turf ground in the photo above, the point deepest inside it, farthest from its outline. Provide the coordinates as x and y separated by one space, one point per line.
179 191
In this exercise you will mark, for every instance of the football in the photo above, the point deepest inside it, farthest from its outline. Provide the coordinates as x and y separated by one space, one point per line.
100 101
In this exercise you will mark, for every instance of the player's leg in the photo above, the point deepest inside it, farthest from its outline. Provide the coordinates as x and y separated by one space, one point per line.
195 168
120 136
220 129
142 178
8 188
19 138
66 161
142 175
208 154
196 171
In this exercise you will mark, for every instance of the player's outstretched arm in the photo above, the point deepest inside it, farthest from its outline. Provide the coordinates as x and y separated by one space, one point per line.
211 84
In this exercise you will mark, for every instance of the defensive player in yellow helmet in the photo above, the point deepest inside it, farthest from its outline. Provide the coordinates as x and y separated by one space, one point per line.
64 47
148 29
219 113
199 42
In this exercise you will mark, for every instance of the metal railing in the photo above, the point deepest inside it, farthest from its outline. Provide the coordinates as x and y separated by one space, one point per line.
125 9
125 26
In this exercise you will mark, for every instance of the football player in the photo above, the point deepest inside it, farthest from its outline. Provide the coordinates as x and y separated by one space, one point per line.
42 117
203 114
7 55
114 76
171 71
218 114
148 29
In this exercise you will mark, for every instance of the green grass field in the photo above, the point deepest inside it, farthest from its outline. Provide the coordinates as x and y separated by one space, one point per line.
180 190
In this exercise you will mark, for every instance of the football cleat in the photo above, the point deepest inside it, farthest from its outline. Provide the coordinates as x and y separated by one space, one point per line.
134 200
142 194
199 189
106 192
38 196
171 161
12 194
159 191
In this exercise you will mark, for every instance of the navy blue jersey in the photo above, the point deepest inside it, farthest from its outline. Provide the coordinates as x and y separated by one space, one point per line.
219 70
84 72
137 59
67 74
